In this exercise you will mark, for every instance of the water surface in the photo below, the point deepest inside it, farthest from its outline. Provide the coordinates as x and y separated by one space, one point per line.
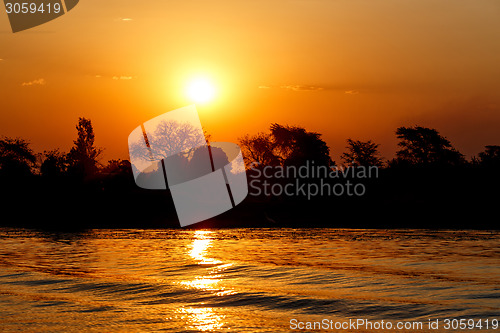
243 280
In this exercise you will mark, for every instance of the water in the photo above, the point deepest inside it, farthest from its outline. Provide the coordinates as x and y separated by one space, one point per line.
244 280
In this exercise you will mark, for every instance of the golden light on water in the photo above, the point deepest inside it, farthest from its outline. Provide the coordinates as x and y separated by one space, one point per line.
257 283
199 252
199 247
205 318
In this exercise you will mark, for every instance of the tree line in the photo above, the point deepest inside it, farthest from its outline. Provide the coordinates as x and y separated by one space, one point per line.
418 146
82 161
282 145
427 183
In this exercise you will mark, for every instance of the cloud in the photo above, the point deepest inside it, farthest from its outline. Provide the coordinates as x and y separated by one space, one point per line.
299 87
123 77
123 19
304 87
295 87
115 77
40 82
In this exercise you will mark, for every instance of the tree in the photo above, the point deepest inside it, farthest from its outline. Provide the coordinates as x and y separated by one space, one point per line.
490 157
54 164
16 156
285 145
117 175
425 146
83 158
295 146
258 148
361 153
169 138
117 166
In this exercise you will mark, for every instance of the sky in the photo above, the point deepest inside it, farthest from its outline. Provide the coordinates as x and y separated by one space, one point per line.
344 68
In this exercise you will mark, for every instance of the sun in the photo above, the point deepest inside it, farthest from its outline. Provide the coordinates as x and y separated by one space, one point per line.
201 90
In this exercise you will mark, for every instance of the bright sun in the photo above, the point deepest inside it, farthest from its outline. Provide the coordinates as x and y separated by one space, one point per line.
201 90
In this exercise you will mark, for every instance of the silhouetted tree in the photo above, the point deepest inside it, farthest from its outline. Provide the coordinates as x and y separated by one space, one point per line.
172 145
16 157
83 157
295 146
169 138
117 166
285 145
117 176
490 157
258 148
425 146
361 153
54 164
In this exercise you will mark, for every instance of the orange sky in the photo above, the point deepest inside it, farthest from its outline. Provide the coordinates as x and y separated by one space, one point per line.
344 68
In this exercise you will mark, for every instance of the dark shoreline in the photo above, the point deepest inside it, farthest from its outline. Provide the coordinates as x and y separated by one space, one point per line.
457 199
252 215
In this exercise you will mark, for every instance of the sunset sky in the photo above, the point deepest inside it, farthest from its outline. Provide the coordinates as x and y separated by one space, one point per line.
345 68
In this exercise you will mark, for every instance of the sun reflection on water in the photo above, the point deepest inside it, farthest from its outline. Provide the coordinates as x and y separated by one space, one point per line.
200 245
212 281
202 319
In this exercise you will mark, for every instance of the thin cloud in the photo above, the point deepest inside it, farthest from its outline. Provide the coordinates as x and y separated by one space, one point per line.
115 77
304 87
39 82
123 19
123 77
295 87
299 87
